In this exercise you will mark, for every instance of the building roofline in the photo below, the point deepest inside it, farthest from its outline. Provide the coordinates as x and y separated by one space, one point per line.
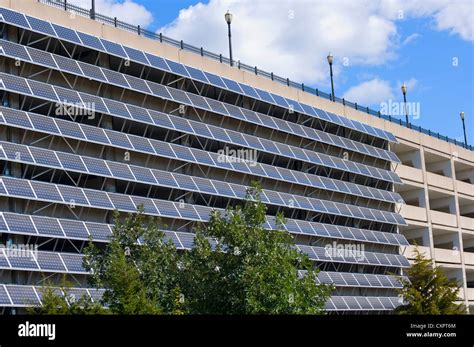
64 4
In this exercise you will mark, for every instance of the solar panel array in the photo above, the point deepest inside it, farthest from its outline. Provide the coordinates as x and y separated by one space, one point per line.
80 100
362 303
57 262
92 72
70 195
383 257
24 296
92 134
12 295
81 230
105 168
156 62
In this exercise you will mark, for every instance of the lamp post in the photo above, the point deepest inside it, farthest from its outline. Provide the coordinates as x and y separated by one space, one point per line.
404 91
463 128
93 9
228 19
330 60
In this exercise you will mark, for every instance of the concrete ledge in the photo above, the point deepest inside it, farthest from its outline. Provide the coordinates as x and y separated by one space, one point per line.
413 213
443 218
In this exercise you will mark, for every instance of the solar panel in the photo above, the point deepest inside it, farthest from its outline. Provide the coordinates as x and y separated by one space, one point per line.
45 191
115 78
138 84
72 195
136 55
22 295
23 260
14 17
13 50
66 33
92 71
73 262
17 187
96 166
74 229
159 90
197 74
19 223
215 80
71 162
232 85
15 83
41 26
114 48
122 202
50 261
265 96
280 101
157 62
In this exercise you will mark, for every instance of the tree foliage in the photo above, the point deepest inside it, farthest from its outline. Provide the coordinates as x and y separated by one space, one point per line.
59 300
251 270
235 267
428 291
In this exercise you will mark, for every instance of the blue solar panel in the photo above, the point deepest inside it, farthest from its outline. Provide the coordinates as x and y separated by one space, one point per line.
14 17
19 223
92 71
50 261
16 187
15 83
41 26
46 191
136 55
197 74
74 229
232 85
160 90
249 91
265 96
91 41
215 80
72 195
177 68
280 101
14 50
66 33
157 62
114 48
96 166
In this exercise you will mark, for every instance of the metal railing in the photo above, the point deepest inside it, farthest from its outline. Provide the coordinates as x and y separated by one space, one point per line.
64 4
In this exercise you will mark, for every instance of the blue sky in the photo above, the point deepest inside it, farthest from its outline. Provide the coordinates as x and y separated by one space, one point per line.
377 46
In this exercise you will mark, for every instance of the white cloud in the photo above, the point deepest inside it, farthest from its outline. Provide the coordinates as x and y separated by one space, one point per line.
370 92
410 38
292 38
375 91
127 11
458 18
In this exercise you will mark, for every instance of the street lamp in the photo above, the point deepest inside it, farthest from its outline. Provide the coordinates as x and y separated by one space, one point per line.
228 19
404 91
330 60
463 128
93 10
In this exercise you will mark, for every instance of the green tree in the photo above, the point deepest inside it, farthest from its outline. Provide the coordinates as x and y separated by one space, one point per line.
59 300
138 278
428 291
250 270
